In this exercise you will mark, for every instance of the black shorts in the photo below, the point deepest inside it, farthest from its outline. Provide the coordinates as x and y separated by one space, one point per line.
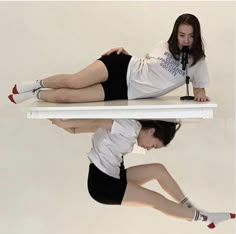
104 188
115 87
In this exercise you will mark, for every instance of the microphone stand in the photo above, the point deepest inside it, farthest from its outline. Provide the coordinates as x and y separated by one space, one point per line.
184 62
187 97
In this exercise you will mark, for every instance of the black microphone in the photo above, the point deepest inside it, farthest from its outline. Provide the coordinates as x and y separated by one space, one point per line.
184 58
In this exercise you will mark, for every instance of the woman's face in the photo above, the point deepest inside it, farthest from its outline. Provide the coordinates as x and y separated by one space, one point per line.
185 36
147 141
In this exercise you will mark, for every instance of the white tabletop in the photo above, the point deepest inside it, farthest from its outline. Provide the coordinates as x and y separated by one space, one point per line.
167 107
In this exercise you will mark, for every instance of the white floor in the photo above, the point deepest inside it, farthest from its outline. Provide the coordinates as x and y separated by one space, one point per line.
44 172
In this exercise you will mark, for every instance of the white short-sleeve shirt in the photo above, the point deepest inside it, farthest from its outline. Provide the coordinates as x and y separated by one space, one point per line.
109 146
159 73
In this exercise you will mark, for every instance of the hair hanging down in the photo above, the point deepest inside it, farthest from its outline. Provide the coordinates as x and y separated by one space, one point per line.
164 131
197 49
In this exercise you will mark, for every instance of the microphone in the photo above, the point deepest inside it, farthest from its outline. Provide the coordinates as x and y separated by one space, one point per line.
184 58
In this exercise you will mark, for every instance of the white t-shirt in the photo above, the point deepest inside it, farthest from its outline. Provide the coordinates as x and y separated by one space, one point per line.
108 147
159 73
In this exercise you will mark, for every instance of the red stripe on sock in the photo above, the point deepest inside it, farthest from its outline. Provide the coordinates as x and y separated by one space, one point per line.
211 226
14 90
232 216
11 98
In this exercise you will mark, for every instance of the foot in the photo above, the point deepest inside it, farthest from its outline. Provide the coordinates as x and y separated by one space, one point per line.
21 97
27 86
213 224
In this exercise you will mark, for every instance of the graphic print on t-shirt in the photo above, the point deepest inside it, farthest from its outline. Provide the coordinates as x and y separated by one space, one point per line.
171 65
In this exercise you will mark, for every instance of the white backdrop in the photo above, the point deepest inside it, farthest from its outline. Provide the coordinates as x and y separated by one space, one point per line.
43 170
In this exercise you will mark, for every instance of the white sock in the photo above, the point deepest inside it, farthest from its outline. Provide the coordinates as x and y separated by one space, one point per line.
212 219
187 203
27 86
19 98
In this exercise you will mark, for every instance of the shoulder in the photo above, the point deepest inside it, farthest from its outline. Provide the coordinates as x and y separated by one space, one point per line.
159 49
127 127
201 63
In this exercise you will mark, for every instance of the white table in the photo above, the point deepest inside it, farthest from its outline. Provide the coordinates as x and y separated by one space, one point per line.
167 107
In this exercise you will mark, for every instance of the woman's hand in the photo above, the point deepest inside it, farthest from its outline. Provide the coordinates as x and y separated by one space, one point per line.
118 50
200 95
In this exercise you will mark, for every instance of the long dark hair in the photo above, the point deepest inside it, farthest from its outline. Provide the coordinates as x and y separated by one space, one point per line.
164 130
197 49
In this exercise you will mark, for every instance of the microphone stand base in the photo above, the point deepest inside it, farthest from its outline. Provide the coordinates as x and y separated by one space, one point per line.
187 98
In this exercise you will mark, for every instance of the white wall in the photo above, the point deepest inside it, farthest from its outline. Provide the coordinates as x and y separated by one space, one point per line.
43 170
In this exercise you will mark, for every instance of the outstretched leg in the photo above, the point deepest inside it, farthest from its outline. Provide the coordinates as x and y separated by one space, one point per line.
92 93
95 73
92 74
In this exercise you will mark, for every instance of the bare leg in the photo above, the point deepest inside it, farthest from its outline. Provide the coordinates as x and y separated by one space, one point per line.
136 195
92 74
144 173
66 95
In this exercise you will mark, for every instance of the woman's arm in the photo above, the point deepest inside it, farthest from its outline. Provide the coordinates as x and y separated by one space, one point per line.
200 95
82 125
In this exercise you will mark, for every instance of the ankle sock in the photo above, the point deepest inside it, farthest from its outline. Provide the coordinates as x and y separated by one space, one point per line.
187 203
212 219
19 98
27 86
